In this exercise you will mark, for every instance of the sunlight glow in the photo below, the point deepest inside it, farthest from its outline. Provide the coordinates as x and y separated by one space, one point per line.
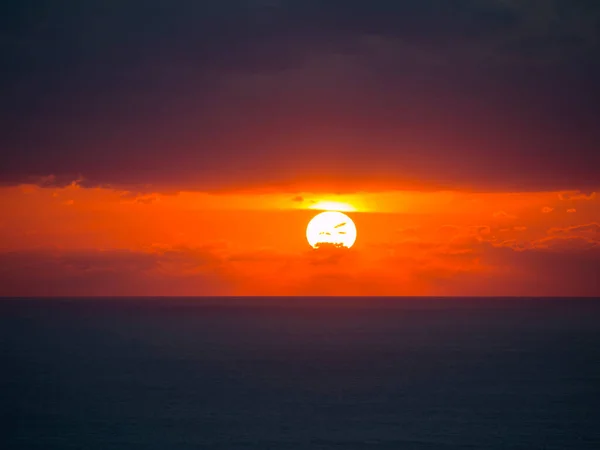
332 206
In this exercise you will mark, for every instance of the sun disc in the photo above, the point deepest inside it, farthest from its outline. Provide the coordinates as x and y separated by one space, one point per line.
331 228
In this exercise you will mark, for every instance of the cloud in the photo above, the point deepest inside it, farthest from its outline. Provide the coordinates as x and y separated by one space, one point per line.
109 273
503 215
565 244
576 195
591 230
356 95
563 240
468 263
534 272
144 199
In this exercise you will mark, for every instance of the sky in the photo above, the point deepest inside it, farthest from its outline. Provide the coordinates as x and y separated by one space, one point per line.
181 148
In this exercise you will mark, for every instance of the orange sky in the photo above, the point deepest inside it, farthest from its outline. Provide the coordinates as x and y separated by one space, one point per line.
451 128
97 241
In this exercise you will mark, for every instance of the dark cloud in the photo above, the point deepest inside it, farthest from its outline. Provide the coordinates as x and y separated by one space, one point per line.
539 272
179 271
215 94
558 265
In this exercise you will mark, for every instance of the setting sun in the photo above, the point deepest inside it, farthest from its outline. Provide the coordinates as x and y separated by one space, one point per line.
332 228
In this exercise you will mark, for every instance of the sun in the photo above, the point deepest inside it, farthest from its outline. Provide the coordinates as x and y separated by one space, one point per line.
331 228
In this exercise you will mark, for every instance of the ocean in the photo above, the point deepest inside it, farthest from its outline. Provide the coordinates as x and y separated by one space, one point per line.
300 373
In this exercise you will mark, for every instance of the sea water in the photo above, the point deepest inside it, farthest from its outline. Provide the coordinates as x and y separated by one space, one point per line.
299 373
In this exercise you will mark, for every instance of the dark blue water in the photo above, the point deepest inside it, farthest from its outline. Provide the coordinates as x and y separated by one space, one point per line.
293 373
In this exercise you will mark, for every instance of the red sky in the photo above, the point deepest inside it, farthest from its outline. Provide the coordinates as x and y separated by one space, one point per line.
94 241
153 150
